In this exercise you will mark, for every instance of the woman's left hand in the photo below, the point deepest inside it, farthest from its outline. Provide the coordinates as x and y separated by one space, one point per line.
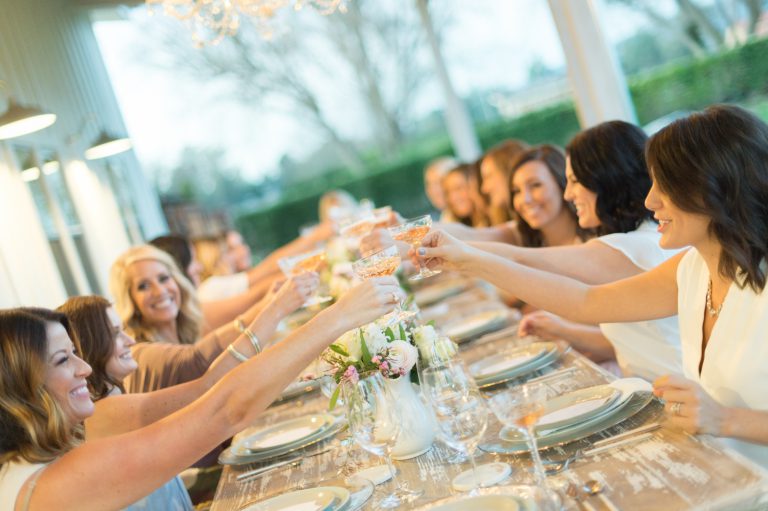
689 407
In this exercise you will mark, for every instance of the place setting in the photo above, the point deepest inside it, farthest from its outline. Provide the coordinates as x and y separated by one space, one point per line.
260 444
516 362
337 494
481 319
566 418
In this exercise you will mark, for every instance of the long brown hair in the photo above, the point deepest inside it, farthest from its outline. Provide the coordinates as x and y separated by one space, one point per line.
33 426
503 155
88 317
554 159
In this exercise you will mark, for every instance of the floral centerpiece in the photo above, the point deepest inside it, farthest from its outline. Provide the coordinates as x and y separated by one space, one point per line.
389 350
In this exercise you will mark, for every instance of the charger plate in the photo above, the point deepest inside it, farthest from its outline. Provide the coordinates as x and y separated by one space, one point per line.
497 498
322 498
552 354
476 324
515 443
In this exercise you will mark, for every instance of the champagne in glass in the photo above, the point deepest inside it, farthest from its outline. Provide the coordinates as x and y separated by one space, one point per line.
374 422
521 408
412 232
302 263
381 264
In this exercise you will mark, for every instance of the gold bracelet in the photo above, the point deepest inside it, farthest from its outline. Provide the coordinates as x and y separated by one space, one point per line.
239 325
239 356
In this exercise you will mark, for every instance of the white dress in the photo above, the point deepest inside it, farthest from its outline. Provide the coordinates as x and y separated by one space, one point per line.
221 287
172 496
647 349
13 475
735 370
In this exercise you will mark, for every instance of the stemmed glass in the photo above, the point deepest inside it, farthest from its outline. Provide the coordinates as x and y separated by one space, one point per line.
308 261
520 408
412 232
374 422
461 413
382 263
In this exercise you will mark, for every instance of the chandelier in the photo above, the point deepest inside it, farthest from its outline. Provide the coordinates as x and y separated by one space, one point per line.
212 20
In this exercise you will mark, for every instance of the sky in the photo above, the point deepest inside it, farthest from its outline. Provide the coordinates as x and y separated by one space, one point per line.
489 43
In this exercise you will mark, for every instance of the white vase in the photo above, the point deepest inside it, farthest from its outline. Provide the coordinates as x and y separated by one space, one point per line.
417 430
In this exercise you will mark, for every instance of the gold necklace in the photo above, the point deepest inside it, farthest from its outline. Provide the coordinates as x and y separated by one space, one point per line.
711 310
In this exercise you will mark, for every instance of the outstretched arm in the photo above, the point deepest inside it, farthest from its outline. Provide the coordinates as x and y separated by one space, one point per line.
649 295
120 466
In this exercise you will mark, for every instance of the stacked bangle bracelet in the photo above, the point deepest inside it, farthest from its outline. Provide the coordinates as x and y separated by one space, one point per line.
239 356
240 327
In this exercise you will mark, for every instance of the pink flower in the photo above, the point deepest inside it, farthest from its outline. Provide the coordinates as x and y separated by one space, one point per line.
376 359
351 375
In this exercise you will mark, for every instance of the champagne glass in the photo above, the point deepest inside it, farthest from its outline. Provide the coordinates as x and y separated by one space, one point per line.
412 232
382 263
520 408
309 261
460 410
374 422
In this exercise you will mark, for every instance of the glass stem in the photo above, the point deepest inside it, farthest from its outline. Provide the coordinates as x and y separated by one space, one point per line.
421 262
475 482
538 468
393 471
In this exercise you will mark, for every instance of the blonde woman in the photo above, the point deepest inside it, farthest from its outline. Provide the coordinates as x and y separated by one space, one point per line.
158 307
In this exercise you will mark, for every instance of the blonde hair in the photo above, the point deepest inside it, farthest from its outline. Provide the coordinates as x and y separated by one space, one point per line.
33 426
189 319
211 253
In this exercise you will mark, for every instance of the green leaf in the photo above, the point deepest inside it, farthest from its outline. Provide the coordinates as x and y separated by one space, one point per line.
431 323
402 332
366 355
334 397
390 334
408 301
338 349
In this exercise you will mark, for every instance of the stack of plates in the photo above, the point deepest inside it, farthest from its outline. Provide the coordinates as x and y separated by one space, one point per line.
323 498
579 414
498 498
260 444
479 323
439 291
330 495
502 367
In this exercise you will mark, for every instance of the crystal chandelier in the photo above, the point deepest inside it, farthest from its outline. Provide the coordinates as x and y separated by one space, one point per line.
212 20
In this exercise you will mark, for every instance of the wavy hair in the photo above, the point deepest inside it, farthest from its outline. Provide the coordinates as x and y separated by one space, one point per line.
503 155
715 163
189 319
87 316
609 160
178 247
33 426
553 158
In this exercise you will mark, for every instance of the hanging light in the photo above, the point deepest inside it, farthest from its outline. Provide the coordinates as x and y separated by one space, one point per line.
107 145
21 120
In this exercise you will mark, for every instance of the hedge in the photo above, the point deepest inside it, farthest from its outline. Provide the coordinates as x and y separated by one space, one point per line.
726 77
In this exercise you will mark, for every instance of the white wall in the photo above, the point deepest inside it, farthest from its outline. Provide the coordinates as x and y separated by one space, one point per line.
50 58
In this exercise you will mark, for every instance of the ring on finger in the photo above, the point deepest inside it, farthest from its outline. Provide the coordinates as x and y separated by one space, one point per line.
675 408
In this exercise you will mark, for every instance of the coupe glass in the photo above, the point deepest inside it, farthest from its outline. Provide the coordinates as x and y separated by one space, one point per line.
380 264
412 232
520 408
460 410
309 261
374 422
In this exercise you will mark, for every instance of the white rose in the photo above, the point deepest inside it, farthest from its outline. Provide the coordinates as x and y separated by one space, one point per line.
402 355
424 337
350 342
374 338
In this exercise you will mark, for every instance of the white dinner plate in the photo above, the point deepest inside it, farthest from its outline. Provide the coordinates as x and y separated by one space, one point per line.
324 498
577 406
466 328
499 363
429 295
293 431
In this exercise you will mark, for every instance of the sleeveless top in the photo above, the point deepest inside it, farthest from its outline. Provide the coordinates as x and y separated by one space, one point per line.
172 496
735 370
647 349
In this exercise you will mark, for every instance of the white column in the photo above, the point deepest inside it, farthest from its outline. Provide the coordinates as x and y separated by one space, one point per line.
599 87
457 119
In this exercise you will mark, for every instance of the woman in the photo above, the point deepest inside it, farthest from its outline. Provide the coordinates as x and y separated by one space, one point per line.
709 192
433 187
45 398
457 188
159 308
607 183
496 165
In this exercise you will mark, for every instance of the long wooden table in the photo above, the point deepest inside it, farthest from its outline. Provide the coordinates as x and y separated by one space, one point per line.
670 471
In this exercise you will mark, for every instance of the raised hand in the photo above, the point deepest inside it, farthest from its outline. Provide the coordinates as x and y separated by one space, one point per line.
440 250
367 301
296 290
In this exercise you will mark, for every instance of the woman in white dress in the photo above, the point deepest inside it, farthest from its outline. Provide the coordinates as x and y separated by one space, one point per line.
607 181
44 399
710 192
